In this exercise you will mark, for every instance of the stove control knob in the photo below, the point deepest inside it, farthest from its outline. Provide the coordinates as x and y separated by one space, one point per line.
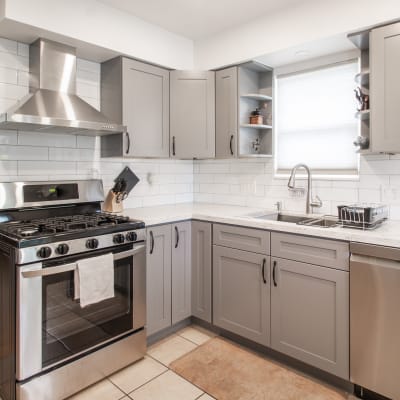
92 244
131 236
119 238
44 252
62 249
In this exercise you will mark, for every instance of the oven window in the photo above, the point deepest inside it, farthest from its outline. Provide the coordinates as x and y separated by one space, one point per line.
68 329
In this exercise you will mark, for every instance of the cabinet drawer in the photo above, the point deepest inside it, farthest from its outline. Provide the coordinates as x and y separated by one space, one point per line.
236 237
328 253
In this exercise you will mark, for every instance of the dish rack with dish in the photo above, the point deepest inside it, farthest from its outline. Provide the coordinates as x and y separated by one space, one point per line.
364 216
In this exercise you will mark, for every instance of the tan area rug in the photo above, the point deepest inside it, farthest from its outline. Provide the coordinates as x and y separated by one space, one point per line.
227 371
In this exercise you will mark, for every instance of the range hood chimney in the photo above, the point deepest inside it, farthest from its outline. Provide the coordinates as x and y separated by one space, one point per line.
52 105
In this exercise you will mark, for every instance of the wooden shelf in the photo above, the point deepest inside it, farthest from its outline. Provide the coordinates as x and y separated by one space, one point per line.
362 114
362 78
255 126
256 96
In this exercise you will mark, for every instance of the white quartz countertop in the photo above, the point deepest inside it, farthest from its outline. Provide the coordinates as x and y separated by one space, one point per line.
388 234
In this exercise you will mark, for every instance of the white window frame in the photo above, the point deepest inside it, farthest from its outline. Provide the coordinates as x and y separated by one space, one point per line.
308 66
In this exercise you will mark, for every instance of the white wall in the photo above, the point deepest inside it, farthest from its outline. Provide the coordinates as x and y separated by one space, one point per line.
31 156
98 24
286 28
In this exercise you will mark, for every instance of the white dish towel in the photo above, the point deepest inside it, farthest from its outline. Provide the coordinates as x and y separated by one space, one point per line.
94 279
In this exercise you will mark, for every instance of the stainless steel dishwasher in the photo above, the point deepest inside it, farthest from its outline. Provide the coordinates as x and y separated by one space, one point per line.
375 319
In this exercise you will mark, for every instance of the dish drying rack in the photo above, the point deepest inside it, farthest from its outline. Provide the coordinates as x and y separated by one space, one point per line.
365 216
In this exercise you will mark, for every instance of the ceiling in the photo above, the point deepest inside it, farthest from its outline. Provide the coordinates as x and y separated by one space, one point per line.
196 19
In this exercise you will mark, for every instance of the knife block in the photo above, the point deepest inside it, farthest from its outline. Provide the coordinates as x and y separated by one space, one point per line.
111 204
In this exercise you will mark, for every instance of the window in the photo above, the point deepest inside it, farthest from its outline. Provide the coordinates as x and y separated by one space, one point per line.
315 122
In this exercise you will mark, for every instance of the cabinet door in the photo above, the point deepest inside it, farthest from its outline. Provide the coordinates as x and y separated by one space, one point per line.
145 91
241 293
201 270
310 314
181 271
192 114
385 88
226 113
158 280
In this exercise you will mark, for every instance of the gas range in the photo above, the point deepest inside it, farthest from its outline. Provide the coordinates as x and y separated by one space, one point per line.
47 231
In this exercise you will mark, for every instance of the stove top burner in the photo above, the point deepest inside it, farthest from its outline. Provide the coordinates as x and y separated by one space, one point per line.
48 226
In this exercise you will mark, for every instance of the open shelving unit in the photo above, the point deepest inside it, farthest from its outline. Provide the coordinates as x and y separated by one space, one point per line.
361 40
255 90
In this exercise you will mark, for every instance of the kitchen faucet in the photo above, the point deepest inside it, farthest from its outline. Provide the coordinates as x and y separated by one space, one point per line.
292 186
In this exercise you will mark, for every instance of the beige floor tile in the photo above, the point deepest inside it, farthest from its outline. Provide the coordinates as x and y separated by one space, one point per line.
137 374
104 390
196 334
170 349
168 386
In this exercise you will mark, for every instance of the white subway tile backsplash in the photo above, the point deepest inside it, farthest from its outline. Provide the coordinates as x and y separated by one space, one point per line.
8 137
8 168
23 49
23 78
23 153
53 168
8 46
86 65
65 154
13 92
8 75
5 104
46 139
86 142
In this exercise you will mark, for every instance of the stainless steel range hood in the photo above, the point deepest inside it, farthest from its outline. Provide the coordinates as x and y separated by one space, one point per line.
52 105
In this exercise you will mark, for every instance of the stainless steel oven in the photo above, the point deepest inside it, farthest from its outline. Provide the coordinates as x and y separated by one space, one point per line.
54 330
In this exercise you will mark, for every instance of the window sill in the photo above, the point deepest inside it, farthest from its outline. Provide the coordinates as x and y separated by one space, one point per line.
320 177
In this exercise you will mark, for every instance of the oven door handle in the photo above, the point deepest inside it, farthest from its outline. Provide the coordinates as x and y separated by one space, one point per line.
72 266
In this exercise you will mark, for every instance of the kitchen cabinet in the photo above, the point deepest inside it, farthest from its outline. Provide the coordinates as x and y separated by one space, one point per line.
384 51
135 94
168 275
158 280
201 271
226 111
310 314
241 293
192 114
181 271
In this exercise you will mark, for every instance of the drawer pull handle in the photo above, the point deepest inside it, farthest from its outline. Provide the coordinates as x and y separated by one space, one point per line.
128 146
273 274
263 271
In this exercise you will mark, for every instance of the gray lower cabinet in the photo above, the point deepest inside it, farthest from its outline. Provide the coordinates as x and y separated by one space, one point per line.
192 118
135 94
241 293
226 112
310 314
181 271
384 88
201 270
158 286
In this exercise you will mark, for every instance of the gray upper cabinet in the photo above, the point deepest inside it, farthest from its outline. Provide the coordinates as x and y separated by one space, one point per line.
226 107
310 314
201 270
192 114
241 293
158 280
137 95
181 271
385 88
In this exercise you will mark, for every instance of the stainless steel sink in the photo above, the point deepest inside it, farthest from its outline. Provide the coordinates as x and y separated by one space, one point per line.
325 222
322 222
294 219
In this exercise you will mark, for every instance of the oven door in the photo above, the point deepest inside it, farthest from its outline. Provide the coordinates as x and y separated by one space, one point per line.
53 328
